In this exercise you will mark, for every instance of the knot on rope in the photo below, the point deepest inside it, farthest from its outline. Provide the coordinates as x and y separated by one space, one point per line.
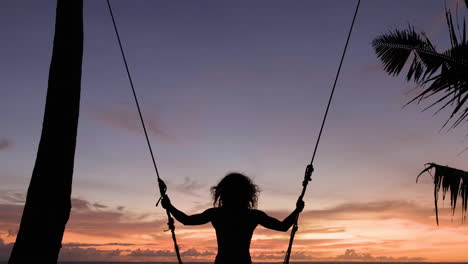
162 186
170 224
295 228
308 174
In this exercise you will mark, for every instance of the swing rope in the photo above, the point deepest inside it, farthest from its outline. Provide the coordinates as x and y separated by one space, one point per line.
309 168
161 184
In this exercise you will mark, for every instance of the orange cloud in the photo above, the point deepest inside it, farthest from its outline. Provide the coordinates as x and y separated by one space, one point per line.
353 255
377 231
125 117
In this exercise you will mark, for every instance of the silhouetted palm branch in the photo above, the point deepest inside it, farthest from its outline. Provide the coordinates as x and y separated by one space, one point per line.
450 179
442 74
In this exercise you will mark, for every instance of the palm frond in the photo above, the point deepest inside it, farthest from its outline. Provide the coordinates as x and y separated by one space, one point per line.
451 84
395 48
441 74
451 28
450 180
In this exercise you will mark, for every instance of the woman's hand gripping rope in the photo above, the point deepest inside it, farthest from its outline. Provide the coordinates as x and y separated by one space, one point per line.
307 178
165 203
162 191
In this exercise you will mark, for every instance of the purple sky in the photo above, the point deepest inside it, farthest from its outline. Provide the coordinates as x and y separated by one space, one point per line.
227 86
234 86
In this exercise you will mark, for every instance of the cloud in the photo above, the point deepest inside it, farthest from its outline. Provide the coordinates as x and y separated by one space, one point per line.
91 219
10 216
99 206
80 204
89 254
195 253
12 233
97 232
115 253
326 244
378 210
96 222
296 256
301 255
94 254
350 255
5 143
95 219
268 256
12 196
168 253
353 255
151 253
78 253
314 230
101 245
125 116
189 186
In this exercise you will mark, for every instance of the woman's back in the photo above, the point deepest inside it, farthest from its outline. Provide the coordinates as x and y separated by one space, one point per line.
234 229
234 218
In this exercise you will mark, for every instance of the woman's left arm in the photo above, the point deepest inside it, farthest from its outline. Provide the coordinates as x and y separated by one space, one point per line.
196 219
273 223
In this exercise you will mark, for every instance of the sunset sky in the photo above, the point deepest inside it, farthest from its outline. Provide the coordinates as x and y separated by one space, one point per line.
235 86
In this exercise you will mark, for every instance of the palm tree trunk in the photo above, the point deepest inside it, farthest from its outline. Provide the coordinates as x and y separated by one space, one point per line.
48 201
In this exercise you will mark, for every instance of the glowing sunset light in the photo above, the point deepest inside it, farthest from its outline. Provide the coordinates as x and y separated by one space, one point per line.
234 86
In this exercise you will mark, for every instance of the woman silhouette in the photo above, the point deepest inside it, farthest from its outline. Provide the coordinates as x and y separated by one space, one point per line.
234 217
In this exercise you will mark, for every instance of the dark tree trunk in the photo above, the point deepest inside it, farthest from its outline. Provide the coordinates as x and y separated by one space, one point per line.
48 201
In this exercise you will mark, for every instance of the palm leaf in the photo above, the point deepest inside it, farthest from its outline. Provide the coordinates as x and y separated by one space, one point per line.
395 48
452 181
441 74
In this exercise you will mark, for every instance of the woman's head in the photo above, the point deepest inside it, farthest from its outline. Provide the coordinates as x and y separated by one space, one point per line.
235 190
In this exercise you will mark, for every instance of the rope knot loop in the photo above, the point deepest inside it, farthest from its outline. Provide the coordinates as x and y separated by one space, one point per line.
162 187
308 174
170 224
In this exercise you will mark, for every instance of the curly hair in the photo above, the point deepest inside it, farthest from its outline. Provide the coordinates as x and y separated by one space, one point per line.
235 190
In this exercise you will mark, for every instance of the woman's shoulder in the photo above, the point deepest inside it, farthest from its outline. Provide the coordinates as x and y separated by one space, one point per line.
257 212
227 210
211 210
231 210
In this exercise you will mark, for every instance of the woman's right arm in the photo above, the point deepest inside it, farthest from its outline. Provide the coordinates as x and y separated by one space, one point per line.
196 219
273 223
